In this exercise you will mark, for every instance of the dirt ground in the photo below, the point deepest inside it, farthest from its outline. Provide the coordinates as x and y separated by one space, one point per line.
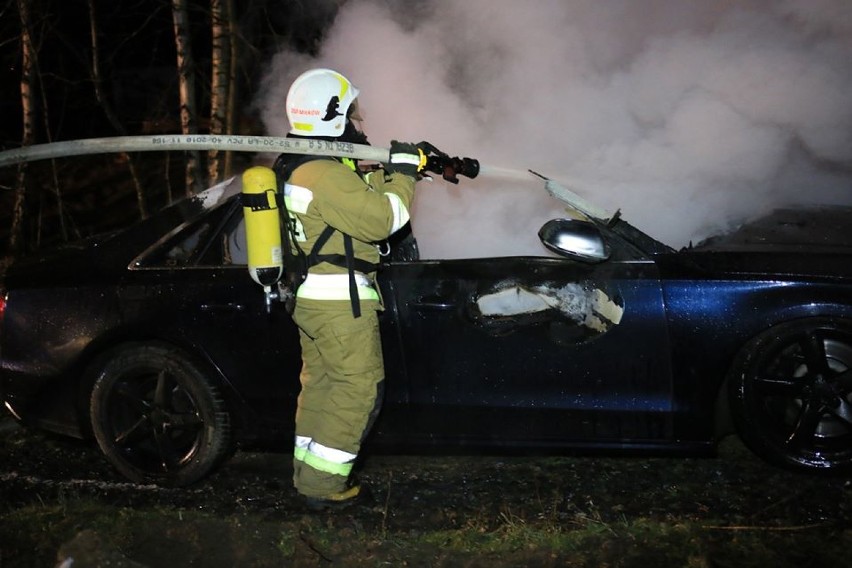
62 505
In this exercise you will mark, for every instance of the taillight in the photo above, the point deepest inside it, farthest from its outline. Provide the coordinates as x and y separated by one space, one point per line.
2 306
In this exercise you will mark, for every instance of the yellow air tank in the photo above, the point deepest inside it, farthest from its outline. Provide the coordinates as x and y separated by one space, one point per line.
263 226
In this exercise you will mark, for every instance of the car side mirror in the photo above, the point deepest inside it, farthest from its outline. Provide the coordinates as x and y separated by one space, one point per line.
575 239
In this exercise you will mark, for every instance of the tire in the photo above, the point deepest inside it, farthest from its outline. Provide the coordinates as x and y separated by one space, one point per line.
157 418
790 392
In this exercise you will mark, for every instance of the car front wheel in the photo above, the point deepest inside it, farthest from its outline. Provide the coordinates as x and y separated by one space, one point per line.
791 395
156 417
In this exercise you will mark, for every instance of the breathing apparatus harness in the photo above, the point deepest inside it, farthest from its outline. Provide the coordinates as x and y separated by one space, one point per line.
276 261
296 262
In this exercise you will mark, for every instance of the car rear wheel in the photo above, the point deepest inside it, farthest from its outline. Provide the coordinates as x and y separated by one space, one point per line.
157 417
791 395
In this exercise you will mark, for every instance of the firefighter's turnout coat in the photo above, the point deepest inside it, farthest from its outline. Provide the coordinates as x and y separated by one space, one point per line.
342 369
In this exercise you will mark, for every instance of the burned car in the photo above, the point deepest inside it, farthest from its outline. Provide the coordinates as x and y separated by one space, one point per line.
155 342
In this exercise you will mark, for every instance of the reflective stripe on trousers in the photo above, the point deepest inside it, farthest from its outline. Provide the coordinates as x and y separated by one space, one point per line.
323 458
335 287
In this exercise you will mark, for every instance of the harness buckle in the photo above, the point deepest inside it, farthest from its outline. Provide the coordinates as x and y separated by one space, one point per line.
383 252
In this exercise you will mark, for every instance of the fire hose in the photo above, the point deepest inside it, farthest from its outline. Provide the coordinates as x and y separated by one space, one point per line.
438 162
187 142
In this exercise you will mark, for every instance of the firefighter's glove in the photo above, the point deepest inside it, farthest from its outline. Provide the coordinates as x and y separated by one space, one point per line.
406 158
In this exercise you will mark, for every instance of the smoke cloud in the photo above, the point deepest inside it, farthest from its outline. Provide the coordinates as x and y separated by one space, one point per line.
689 116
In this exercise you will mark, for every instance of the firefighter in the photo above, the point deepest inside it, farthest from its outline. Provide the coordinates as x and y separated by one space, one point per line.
338 216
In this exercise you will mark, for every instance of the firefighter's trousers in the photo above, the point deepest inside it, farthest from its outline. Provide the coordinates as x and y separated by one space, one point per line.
342 373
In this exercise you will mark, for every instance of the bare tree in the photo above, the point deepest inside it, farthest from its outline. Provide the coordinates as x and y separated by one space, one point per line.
186 81
97 82
219 80
28 105
57 191
233 94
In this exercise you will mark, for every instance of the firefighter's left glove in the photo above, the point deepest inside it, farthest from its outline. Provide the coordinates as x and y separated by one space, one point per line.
405 158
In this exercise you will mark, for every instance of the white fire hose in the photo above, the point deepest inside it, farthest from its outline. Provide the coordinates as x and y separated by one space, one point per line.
163 142
272 144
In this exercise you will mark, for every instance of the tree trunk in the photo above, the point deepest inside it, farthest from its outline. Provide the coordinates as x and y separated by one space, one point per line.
97 82
233 60
57 191
186 81
28 104
219 78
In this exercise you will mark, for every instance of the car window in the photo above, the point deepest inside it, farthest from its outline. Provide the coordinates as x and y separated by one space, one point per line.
217 239
180 249
185 249
229 246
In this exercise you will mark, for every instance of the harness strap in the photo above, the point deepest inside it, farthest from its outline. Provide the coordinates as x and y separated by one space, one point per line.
285 165
358 264
313 257
353 288
261 201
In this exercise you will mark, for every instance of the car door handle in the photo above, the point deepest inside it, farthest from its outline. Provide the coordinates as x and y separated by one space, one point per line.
433 304
219 308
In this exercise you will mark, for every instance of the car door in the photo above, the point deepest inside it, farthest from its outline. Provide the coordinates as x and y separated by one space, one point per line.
217 310
530 350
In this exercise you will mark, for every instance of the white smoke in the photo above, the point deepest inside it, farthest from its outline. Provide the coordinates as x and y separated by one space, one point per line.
690 116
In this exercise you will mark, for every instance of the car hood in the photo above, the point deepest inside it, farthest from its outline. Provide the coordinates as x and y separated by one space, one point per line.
804 229
813 242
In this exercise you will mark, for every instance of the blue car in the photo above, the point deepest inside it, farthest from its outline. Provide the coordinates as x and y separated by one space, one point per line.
155 342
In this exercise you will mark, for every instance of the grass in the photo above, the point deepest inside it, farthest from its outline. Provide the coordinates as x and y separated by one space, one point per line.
641 542
32 535
556 511
35 535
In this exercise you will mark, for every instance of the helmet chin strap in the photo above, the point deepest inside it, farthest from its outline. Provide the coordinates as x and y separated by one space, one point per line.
353 134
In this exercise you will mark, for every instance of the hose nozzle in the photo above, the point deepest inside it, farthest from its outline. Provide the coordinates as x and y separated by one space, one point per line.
448 167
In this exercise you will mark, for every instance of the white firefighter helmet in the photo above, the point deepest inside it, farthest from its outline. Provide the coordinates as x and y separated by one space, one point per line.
318 101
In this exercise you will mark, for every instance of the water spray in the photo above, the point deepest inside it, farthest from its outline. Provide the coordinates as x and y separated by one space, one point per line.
552 187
